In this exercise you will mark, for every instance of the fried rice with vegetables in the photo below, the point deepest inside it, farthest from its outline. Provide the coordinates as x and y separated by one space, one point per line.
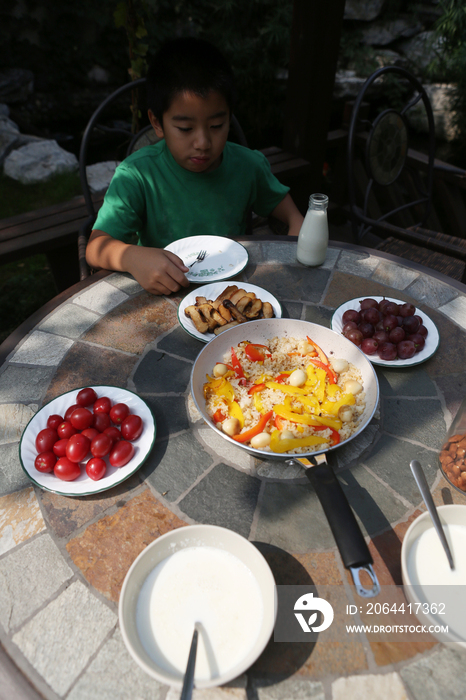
285 396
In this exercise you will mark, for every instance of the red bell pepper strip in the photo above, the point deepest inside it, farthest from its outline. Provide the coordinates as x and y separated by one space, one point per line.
237 365
258 428
335 436
332 377
254 354
281 378
256 387
218 416
279 424
320 352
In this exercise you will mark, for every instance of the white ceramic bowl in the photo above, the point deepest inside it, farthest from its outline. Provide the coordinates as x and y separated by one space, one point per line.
163 547
417 594
333 344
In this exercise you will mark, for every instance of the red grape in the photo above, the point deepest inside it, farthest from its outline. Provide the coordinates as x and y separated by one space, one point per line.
369 304
418 341
351 325
367 330
381 336
422 330
410 324
351 315
387 351
407 309
389 322
355 336
369 346
371 316
396 335
405 349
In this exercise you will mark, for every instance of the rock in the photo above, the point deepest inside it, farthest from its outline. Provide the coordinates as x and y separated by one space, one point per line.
366 10
39 161
387 57
420 50
383 33
97 74
10 137
100 174
4 110
440 99
347 85
16 84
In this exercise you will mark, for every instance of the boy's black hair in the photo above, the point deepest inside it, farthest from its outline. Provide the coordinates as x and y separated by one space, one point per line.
187 65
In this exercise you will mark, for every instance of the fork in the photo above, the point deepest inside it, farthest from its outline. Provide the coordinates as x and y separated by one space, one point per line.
199 258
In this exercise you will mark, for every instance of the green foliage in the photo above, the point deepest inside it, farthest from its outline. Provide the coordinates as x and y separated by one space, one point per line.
354 55
17 198
450 64
25 286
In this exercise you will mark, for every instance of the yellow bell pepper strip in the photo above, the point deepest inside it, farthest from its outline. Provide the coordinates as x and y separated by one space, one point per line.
280 446
323 357
255 388
329 422
254 354
212 385
333 389
258 405
258 428
310 402
235 411
304 418
319 389
332 377
225 389
237 365
333 407
286 388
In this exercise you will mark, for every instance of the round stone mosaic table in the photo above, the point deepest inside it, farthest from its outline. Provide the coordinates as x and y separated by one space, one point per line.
63 560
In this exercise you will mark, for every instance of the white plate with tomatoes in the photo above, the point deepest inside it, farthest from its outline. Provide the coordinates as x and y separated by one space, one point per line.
432 337
83 484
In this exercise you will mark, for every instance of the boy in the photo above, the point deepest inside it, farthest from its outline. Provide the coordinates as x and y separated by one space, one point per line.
192 182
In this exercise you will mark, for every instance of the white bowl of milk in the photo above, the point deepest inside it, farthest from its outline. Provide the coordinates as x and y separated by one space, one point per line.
435 591
205 574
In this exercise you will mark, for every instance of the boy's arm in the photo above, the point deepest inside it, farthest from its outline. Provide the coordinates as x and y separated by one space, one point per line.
288 212
158 271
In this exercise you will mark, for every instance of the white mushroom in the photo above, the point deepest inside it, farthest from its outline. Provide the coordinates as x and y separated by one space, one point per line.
286 435
261 440
345 413
298 377
339 365
231 426
219 370
352 387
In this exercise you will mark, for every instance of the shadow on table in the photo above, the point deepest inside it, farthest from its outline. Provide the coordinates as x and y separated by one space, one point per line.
281 659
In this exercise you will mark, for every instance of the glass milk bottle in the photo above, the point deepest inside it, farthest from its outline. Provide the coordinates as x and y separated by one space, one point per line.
313 236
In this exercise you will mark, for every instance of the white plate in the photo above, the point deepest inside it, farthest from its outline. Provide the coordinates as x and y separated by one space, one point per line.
432 339
83 485
211 292
225 257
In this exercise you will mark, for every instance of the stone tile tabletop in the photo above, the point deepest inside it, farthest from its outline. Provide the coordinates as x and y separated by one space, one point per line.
63 559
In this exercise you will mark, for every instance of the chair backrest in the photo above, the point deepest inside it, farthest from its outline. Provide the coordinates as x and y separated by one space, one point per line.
130 142
382 186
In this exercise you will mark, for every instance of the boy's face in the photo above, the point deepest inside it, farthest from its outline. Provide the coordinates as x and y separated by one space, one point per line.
195 130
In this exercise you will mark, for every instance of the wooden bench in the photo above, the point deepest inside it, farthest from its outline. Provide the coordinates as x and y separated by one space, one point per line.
53 231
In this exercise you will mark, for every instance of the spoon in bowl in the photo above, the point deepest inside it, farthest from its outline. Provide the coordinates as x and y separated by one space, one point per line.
188 682
423 486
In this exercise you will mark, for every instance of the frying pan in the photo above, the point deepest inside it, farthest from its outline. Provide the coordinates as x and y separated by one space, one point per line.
348 536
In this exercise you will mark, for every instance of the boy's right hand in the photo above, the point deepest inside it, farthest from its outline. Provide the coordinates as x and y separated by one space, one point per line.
158 271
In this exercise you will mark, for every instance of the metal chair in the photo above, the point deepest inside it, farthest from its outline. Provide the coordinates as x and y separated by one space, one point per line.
389 197
128 142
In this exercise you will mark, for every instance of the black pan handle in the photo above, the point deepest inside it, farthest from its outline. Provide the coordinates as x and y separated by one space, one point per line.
346 531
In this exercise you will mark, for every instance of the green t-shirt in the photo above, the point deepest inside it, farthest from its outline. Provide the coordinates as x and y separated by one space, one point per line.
154 197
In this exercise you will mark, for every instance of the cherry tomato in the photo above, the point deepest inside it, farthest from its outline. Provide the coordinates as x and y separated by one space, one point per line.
81 418
66 470
66 430
131 428
90 433
46 439
45 462
96 468
118 413
69 411
101 421
59 448
121 453
114 433
77 447
101 445
86 396
102 405
54 421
